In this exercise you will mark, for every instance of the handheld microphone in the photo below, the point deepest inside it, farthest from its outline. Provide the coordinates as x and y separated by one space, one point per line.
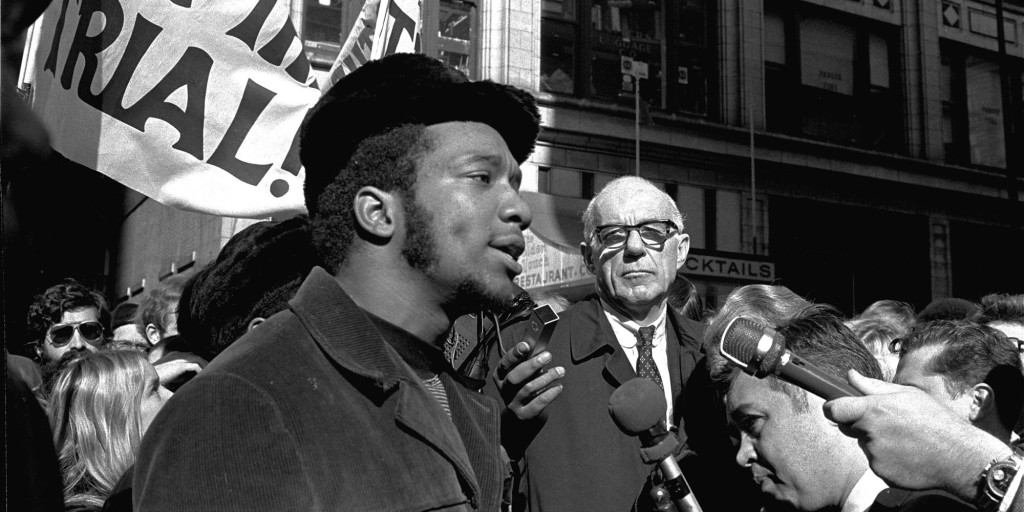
760 351
638 408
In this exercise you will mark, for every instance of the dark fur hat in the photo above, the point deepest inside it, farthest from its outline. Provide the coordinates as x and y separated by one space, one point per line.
406 89
255 275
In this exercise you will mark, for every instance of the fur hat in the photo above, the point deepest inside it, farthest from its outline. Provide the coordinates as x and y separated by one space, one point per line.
403 89
123 314
255 275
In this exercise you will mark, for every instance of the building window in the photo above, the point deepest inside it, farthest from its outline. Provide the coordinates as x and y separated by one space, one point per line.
455 38
972 105
832 79
583 41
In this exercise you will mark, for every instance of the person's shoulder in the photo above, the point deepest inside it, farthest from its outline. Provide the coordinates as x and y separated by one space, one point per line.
902 500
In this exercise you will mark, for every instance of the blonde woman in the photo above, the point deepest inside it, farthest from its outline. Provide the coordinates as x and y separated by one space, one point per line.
100 407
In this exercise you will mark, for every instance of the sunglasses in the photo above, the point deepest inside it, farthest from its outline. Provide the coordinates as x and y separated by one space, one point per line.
652 233
61 334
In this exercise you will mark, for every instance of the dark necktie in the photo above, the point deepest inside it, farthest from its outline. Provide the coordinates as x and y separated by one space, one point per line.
645 366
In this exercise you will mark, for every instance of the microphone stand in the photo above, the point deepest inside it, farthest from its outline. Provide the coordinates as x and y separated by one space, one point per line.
658 446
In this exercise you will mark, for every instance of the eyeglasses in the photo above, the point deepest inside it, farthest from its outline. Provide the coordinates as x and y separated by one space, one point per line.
652 233
1018 342
61 334
895 345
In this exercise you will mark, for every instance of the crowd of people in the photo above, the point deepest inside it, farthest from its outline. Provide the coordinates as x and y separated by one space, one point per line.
309 370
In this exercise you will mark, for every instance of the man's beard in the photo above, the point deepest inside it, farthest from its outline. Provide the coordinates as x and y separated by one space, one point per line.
421 252
50 369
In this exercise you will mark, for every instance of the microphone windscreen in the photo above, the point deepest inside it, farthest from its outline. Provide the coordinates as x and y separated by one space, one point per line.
637 406
740 339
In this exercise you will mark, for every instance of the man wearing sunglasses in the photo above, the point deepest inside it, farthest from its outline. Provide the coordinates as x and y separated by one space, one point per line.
65 321
633 244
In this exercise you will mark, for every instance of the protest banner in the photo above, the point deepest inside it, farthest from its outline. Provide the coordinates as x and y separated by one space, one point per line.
196 104
396 22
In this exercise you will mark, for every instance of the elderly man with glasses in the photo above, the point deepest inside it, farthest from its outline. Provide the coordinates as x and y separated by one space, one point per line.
577 459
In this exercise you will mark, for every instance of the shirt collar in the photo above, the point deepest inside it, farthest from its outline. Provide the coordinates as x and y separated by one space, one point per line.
864 493
618 320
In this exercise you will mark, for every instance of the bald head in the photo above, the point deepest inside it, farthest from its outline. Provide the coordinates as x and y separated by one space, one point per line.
628 189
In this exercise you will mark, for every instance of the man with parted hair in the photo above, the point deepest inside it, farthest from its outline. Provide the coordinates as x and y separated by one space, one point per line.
1005 312
970 368
801 460
344 401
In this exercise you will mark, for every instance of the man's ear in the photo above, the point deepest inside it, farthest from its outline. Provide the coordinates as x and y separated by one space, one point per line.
587 254
683 250
152 334
376 211
983 402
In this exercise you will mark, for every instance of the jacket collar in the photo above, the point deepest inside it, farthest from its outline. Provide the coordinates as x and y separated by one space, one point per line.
350 341
590 335
341 330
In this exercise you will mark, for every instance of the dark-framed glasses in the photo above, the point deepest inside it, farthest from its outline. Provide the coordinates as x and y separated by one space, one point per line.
61 334
653 233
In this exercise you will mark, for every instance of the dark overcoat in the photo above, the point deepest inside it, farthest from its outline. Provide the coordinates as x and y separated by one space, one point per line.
579 460
314 411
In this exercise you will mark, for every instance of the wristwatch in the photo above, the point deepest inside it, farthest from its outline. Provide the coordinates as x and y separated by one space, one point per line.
1000 481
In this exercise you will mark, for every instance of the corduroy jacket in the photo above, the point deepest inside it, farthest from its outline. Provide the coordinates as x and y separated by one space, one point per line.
314 411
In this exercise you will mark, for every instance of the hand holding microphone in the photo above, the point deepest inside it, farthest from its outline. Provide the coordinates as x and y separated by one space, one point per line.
760 351
638 408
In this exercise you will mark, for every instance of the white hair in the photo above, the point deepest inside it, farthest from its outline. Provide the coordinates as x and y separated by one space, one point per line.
625 188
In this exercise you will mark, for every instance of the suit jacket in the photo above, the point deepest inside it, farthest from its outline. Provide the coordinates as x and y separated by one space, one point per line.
891 500
579 459
313 410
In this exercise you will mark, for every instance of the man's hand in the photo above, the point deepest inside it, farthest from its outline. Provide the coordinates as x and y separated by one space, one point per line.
913 441
173 369
526 389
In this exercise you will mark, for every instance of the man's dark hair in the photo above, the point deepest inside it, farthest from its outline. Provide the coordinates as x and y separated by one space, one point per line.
160 303
388 162
949 308
817 335
255 275
1002 307
48 307
973 354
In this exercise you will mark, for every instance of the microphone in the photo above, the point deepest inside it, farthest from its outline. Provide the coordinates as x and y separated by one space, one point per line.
760 351
638 409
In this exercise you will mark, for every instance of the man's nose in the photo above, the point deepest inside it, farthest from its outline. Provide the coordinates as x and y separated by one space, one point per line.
516 210
745 454
77 341
634 244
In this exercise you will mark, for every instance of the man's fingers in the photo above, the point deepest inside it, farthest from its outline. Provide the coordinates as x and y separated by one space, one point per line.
845 410
522 373
870 386
511 358
542 381
541 401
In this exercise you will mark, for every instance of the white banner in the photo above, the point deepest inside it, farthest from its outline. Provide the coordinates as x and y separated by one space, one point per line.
195 103
384 27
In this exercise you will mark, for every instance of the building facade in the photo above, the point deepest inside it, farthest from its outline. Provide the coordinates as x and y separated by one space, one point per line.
852 150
